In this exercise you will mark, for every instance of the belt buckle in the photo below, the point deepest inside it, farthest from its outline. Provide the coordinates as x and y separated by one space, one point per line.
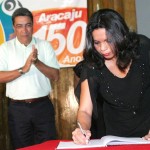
28 102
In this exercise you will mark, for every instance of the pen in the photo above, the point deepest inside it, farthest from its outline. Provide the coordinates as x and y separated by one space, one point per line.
83 132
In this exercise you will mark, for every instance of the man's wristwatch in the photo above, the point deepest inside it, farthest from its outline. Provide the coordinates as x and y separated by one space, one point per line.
21 71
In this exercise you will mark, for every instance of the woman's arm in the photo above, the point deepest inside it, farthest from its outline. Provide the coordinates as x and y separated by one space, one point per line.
85 106
84 115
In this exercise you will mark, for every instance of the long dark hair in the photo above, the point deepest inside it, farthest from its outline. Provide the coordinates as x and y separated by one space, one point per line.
123 41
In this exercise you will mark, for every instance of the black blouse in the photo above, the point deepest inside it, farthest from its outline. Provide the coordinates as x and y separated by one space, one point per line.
121 106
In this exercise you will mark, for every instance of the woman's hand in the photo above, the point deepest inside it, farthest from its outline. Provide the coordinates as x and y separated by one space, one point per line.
79 138
147 137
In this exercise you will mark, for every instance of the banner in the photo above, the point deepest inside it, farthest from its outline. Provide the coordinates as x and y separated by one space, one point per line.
61 22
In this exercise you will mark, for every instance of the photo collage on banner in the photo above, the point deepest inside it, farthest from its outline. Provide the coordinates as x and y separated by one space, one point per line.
61 22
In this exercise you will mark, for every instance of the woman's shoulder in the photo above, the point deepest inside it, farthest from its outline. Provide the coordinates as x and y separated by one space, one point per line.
144 44
84 67
144 48
144 40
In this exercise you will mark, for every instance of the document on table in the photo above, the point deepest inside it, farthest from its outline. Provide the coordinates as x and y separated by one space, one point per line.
104 141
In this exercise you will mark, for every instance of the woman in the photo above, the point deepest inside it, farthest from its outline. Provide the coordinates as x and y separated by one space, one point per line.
116 70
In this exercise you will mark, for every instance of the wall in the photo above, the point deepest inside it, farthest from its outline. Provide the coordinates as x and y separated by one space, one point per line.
143 16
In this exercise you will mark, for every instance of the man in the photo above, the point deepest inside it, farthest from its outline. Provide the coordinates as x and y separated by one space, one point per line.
27 64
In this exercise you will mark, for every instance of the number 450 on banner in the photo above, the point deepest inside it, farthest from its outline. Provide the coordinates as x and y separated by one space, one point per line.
65 29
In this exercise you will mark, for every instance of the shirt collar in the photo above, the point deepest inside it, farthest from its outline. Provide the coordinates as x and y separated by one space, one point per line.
33 42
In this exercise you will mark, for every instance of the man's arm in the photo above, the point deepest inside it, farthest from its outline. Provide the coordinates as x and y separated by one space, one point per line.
7 76
49 72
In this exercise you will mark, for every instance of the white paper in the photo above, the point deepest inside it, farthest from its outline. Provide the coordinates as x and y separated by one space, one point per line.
104 141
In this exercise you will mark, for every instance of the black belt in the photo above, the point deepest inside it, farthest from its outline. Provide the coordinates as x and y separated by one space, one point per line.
31 100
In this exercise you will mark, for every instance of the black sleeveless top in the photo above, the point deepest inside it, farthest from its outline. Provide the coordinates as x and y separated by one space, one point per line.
121 106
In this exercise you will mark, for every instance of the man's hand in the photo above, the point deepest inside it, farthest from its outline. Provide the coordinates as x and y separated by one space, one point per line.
34 54
31 59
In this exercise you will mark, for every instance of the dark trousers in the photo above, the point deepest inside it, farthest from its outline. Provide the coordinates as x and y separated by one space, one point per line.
31 123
